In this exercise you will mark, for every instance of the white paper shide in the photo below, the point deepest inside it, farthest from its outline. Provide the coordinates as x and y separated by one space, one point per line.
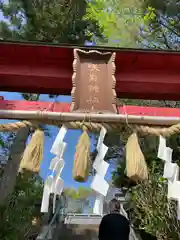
99 184
54 183
171 172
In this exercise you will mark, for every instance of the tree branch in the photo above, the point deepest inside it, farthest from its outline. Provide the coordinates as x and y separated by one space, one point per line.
164 25
169 28
165 39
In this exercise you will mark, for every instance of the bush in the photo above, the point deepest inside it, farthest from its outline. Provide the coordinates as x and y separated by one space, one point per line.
152 211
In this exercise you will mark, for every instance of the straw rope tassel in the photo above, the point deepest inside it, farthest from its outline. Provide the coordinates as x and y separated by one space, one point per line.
33 153
136 166
82 158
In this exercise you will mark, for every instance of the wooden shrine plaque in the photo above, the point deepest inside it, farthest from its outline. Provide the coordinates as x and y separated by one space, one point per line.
93 82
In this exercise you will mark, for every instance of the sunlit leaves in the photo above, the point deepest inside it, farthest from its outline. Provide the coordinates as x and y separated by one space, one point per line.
80 193
149 15
120 21
78 200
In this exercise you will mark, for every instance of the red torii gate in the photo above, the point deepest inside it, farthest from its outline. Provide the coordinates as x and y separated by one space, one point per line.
39 68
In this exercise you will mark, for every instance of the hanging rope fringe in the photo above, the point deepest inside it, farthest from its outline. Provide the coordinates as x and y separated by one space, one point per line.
135 159
135 162
33 153
82 158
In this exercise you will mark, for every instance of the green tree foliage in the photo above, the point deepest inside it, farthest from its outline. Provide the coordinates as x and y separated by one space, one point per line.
153 212
57 21
120 20
137 23
162 28
17 213
78 200
6 141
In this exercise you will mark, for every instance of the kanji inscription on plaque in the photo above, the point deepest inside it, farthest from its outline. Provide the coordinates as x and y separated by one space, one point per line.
93 82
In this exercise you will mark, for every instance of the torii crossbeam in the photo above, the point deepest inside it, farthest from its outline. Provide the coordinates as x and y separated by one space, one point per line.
143 115
48 69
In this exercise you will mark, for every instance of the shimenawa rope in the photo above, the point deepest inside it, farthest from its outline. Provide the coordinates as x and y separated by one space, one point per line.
166 132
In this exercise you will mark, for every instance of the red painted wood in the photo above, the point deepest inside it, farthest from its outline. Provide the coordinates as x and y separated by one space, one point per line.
65 107
48 69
